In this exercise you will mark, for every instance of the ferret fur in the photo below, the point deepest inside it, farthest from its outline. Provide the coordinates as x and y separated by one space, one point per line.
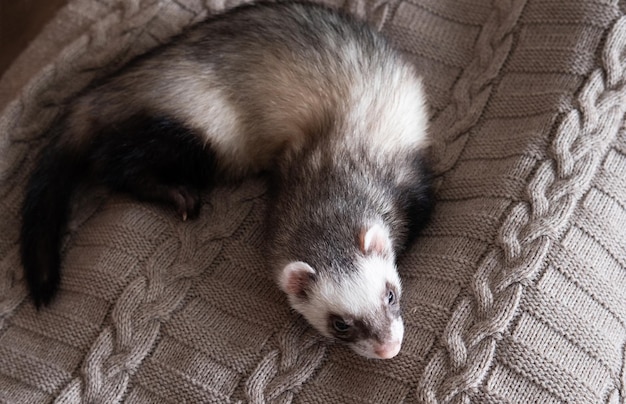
317 100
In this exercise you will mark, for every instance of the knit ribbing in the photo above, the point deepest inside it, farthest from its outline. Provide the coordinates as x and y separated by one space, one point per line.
481 318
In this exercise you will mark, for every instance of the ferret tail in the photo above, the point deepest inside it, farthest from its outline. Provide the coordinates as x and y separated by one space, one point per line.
45 211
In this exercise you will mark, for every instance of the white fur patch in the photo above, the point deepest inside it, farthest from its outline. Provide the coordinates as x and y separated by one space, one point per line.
362 292
204 105
390 107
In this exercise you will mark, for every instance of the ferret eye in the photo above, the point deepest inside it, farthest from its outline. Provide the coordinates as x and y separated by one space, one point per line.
391 297
340 325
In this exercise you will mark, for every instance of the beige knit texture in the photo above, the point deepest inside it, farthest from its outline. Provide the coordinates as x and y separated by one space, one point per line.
516 292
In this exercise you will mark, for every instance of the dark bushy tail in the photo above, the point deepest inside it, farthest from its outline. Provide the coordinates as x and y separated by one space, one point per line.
45 213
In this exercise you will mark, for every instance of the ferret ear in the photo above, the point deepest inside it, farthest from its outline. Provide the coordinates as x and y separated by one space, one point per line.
375 239
296 278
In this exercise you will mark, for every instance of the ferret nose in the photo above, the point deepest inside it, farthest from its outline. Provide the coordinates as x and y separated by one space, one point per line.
388 350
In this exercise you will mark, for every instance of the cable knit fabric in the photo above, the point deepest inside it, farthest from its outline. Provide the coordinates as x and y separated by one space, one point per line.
516 292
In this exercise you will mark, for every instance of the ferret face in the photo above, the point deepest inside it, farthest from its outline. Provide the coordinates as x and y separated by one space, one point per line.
361 308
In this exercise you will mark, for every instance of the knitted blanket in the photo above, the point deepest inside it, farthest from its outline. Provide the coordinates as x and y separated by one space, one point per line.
516 292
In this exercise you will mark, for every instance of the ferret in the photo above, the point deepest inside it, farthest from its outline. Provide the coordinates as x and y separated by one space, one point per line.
314 99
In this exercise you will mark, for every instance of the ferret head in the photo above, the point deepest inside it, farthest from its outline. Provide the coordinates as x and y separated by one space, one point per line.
361 307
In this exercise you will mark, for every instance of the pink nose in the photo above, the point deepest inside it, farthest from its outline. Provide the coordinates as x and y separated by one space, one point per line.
388 350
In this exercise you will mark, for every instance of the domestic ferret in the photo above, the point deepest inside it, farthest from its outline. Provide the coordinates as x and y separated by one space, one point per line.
313 98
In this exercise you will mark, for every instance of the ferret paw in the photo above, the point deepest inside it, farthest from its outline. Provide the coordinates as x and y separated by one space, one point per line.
186 201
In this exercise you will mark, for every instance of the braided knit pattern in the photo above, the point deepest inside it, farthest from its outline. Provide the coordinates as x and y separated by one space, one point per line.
481 318
472 90
281 373
145 303
514 293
